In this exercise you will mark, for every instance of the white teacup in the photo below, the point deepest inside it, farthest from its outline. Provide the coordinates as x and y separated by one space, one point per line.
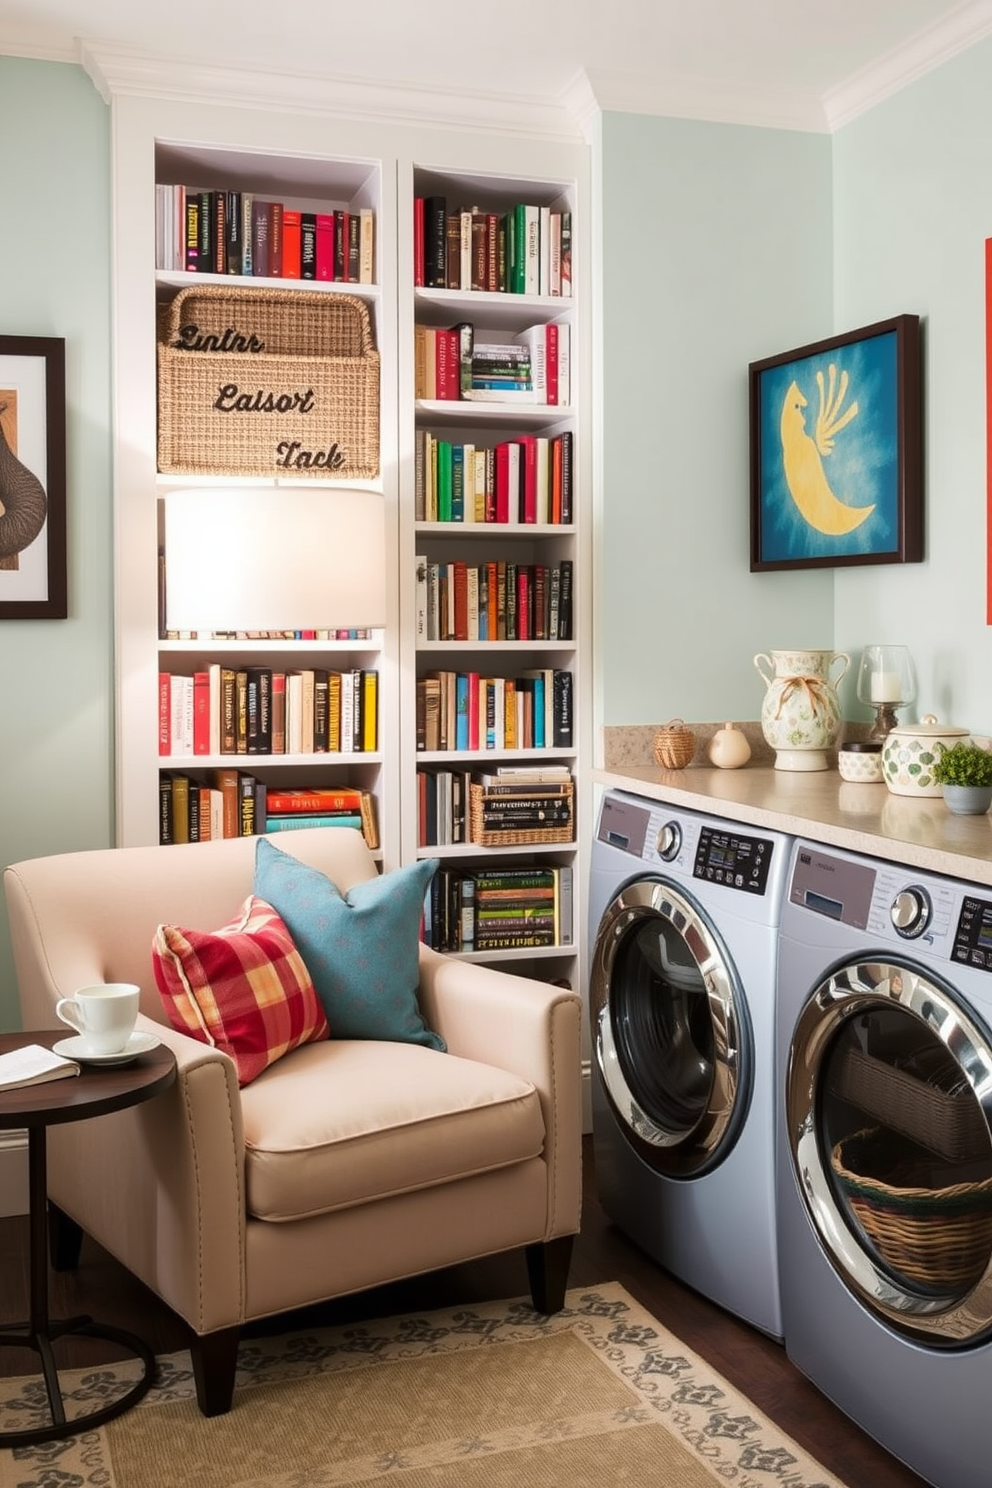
104 1016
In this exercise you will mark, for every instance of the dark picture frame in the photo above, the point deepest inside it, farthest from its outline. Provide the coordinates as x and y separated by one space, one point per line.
837 450
33 583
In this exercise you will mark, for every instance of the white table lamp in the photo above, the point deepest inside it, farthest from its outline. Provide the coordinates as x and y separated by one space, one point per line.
277 558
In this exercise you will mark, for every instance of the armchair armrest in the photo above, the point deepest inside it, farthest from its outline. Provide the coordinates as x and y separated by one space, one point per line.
161 1185
527 1026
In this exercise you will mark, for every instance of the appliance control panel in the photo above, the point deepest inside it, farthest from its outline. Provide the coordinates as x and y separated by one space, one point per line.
887 901
973 936
738 862
688 845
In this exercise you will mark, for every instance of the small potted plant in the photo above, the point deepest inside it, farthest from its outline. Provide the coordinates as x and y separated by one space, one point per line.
965 774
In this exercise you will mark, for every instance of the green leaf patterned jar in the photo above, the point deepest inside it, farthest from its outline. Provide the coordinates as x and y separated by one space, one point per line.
910 752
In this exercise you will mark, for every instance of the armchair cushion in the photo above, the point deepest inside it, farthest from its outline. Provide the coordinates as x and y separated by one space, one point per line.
349 1122
361 947
243 989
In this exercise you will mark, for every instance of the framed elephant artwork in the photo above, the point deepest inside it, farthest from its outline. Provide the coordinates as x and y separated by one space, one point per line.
837 451
32 478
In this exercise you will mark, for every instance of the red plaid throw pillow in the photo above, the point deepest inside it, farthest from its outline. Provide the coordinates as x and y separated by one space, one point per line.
243 988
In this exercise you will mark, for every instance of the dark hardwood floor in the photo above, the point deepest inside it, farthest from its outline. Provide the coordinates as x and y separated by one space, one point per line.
754 1363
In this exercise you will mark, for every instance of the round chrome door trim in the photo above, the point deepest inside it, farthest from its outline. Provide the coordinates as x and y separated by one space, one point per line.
848 992
683 1151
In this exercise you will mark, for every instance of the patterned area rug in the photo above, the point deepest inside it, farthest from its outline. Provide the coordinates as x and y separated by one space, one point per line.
600 1395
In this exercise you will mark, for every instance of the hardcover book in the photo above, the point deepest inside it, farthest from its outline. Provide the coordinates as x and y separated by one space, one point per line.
435 230
292 234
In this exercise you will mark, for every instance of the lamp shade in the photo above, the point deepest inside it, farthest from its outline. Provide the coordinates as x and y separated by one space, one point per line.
274 558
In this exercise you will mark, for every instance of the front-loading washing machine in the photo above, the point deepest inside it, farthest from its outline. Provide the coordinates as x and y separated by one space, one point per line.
885 1153
683 916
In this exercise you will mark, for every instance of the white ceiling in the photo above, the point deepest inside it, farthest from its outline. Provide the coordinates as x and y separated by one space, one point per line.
773 62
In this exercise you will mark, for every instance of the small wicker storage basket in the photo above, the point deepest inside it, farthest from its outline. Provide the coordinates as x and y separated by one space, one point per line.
485 836
940 1237
267 382
674 745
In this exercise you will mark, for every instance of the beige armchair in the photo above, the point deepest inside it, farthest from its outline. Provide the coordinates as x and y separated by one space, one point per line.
345 1164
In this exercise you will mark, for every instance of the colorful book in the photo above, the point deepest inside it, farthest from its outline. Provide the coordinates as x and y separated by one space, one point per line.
298 821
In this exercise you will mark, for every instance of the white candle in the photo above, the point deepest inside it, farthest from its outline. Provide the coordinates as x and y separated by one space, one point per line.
885 687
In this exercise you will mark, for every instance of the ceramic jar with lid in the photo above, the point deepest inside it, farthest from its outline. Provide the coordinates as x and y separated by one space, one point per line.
910 752
860 760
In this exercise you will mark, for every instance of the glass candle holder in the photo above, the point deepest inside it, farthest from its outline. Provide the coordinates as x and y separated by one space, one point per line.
886 681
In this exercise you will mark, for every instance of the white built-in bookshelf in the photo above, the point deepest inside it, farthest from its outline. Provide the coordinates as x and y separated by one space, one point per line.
491 543
160 141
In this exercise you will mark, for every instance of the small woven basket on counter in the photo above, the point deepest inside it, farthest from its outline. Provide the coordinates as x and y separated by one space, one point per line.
674 745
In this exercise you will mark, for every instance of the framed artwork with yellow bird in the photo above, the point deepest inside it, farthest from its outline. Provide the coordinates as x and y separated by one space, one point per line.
837 450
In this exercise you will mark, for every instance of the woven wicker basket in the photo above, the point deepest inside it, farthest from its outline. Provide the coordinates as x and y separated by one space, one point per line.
485 836
950 1125
674 745
267 382
939 1237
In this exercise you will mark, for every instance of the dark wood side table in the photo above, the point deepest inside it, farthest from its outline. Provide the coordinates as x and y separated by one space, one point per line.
96 1091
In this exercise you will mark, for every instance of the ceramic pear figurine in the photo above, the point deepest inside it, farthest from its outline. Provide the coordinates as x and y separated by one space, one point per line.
728 748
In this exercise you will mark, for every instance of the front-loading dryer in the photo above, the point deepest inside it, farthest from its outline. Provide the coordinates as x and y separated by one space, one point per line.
683 916
885 1153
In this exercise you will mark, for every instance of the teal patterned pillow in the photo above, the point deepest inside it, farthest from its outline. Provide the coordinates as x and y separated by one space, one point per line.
360 948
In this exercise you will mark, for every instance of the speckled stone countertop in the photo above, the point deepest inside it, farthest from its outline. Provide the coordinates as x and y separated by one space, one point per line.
817 804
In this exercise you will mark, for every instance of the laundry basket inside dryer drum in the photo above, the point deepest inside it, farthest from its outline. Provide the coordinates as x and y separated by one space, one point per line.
889 1101
672 1037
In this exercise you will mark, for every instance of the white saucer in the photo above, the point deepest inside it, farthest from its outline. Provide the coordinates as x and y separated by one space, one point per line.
76 1048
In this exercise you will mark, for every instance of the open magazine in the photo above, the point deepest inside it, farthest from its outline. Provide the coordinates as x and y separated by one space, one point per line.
33 1065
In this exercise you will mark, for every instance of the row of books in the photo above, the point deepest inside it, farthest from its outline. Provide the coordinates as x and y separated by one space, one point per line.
229 802
524 479
503 909
257 710
444 805
240 232
272 635
494 601
468 711
533 367
526 249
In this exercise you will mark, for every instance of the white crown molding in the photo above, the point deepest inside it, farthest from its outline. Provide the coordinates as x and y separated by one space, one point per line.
572 116
116 71
705 98
928 49
35 53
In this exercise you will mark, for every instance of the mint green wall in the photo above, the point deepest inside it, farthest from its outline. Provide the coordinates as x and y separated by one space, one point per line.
720 245
716 251
56 675
913 208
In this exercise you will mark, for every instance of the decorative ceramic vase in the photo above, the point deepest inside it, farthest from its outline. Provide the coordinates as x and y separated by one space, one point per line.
800 715
968 800
728 748
911 751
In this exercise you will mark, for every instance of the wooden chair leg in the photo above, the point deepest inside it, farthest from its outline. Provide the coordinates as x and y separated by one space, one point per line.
65 1239
547 1270
215 1363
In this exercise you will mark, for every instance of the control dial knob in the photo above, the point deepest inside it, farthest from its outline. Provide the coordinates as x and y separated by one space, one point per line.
669 841
910 911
